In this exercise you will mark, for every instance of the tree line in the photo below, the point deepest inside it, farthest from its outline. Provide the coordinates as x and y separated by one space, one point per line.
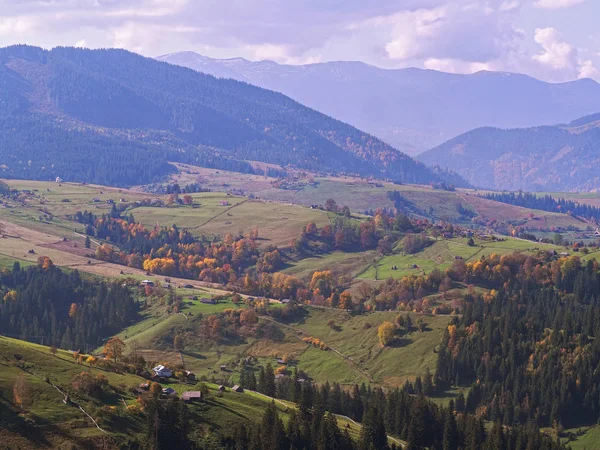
45 304
545 203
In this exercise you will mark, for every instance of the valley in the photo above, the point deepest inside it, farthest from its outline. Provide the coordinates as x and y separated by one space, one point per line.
316 339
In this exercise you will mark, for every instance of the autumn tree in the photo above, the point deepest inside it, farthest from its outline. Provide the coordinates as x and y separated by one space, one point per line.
45 263
179 342
114 348
248 317
386 332
188 199
73 310
331 205
21 392
10 296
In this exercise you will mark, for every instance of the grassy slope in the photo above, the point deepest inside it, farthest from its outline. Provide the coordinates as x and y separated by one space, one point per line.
66 424
360 195
357 338
62 425
588 440
442 254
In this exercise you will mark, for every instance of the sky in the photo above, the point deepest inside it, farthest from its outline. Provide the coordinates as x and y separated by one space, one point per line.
553 40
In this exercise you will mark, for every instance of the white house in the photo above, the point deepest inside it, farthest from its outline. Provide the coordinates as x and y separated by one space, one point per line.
162 371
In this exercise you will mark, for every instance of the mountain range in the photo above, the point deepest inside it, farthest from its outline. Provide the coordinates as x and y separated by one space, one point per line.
411 109
548 158
114 117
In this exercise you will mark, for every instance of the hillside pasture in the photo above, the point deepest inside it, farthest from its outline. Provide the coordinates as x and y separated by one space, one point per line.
443 253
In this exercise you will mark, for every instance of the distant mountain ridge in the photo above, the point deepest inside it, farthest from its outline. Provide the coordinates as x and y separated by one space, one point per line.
114 117
549 158
412 109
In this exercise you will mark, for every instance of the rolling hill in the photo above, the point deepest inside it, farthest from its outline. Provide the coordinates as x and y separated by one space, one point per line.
557 158
114 117
412 109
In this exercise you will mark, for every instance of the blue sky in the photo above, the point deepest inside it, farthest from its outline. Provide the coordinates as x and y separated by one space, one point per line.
554 40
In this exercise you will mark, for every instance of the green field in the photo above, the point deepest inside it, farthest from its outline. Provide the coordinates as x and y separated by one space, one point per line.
442 254
356 338
589 439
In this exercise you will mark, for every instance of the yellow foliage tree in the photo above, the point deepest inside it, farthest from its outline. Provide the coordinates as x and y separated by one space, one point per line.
386 332
10 296
114 348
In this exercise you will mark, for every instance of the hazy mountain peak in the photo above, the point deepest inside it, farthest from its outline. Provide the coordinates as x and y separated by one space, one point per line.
412 109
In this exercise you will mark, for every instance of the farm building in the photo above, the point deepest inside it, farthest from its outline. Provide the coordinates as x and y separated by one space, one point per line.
190 377
191 396
208 301
162 371
237 388
169 391
148 283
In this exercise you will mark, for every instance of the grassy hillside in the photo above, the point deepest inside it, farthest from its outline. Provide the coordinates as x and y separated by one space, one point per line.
360 195
443 253
48 421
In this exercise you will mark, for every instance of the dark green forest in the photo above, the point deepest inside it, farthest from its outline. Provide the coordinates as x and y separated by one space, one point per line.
114 117
530 347
545 203
45 304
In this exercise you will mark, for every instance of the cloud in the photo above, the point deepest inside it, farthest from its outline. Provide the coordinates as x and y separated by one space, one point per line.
81 44
557 4
588 70
449 35
468 32
556 53
561 56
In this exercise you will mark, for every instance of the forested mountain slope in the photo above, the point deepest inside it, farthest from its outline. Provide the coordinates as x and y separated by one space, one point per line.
114 117
412 109
550 158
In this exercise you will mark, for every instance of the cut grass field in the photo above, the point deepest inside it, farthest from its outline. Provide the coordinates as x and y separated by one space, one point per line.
587 438
442 254
340 262
356 338
278 223
361 195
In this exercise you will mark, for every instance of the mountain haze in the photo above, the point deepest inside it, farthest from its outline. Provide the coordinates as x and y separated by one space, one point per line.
114 117
548 158
412 109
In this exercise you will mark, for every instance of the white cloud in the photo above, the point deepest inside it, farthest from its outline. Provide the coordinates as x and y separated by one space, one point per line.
449 35
474 32
11 26
557 4
556 53
455 66
588 70
81 43
509 5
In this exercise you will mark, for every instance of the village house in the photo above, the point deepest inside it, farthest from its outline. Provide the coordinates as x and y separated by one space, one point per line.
162 371
168 391
191 396
237 388
190 377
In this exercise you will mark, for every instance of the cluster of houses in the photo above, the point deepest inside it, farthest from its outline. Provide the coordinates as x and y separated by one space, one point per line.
161 373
